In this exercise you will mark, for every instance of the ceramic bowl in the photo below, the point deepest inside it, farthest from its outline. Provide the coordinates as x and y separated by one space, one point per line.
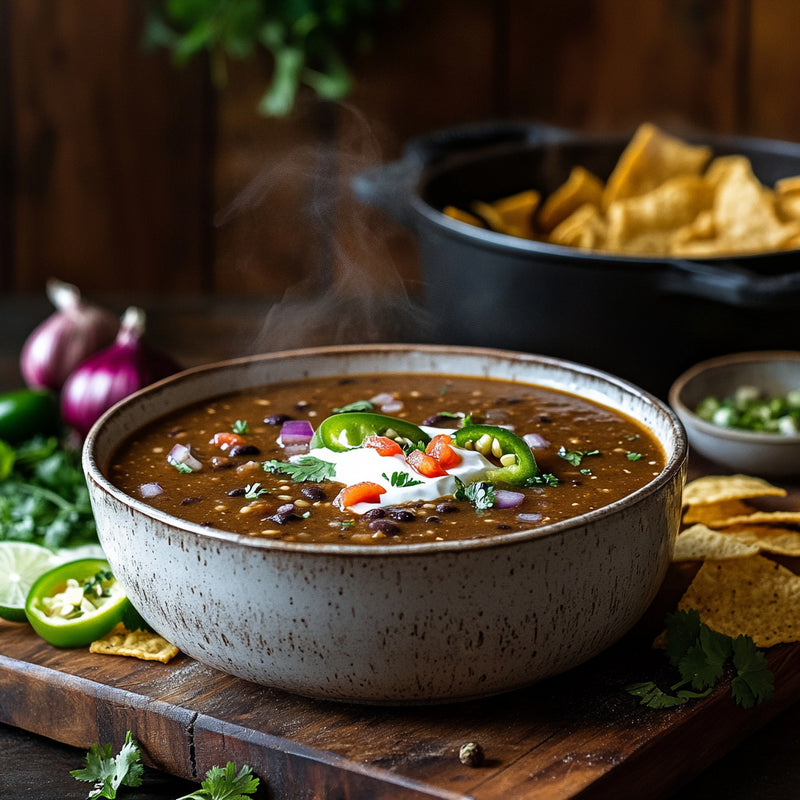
763 454
397 624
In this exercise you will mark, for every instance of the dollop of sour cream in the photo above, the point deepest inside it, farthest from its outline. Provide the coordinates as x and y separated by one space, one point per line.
366 464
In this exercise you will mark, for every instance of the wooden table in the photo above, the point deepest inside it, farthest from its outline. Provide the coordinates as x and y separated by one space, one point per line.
34 765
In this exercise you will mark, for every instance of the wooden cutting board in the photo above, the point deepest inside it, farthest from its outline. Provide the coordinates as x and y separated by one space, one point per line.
576 735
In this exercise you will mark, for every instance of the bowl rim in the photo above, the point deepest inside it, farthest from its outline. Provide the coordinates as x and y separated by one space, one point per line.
676 392
675 463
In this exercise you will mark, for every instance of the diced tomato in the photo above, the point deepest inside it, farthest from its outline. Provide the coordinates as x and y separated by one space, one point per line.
226 440
440 448
424 464
383 444
364 492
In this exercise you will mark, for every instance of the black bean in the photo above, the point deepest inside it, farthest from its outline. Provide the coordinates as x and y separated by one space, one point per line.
446 508
503 527
188 501
438 419
244 450
221 462
313 493
276 419
374 513
237 492
284 514
432 520
385 527
401 514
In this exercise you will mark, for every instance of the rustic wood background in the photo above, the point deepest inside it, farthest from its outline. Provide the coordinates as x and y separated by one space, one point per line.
124 173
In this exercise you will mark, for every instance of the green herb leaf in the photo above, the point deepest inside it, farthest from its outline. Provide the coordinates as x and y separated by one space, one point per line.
401 479
543 479
241 427
359 405
253 491
633 456
575 457
305 468
754 682
480 494
226 784
107 772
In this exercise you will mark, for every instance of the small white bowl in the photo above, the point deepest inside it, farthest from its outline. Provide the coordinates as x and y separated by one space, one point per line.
763 454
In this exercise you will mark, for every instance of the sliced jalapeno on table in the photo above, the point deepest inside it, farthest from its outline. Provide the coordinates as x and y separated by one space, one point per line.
517 462
342 432
75 603
24 413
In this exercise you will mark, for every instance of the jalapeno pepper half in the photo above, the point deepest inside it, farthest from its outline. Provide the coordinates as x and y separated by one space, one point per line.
26 412
342 432
75 603
516 458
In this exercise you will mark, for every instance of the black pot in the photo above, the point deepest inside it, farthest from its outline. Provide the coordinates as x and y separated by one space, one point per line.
644 319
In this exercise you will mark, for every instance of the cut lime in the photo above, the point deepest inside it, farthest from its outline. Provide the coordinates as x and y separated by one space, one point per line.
21 563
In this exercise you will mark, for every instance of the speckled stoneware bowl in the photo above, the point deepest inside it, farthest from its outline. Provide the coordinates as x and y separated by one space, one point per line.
398 624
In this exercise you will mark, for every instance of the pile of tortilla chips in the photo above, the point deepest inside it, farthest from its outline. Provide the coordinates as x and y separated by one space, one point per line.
743 586
664 197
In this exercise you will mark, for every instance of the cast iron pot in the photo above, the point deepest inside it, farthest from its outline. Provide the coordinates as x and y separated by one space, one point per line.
645 319
405 623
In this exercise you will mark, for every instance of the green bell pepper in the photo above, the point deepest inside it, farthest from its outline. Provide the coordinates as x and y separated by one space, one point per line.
344 431
519 466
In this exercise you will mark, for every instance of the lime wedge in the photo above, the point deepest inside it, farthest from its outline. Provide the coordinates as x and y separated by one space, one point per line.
21 563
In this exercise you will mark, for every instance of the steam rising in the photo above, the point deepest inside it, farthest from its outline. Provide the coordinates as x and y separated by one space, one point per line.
351 291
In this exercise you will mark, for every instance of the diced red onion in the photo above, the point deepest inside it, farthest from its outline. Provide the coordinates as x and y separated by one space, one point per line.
535 441
148 490
529 517
296 449
182 454
295 431
387 403
507 499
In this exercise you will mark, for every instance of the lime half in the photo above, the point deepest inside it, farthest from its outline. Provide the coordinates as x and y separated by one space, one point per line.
21 563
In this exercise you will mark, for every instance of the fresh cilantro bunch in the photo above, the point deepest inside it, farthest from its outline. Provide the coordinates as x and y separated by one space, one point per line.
43 495
309 41
108 773
701 657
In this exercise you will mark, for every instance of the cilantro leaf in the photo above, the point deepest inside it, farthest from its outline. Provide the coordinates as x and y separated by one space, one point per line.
542 479
253 491
401 479
305 468
575 457
359 405
754 682
633 456
683 630
107 772
226 784
480 494
241 426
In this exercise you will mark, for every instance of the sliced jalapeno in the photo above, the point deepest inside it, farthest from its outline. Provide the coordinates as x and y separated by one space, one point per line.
75 603
342 432
518 465
27 412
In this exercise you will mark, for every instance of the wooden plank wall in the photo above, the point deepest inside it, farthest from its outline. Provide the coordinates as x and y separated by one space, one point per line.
123 173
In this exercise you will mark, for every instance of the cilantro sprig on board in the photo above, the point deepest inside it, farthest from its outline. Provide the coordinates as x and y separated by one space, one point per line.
702 657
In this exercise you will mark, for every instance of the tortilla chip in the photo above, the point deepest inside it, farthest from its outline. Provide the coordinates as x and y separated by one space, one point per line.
768 539
462 216
580 188
712 514
750 596
788 185
759 517
516 212
650 158
583 228
787 207
718 488
136 644
699 543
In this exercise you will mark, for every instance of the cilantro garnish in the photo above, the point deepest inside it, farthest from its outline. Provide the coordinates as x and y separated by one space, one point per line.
576 456
241 426
306 468
43 495
108 772
359 405
543 479
253 491
633 456
480 494
400 479
184 468
701 657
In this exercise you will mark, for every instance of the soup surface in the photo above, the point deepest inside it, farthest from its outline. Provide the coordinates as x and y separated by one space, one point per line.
493 457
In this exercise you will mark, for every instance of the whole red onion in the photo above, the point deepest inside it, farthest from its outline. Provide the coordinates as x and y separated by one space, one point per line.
73 332
107 377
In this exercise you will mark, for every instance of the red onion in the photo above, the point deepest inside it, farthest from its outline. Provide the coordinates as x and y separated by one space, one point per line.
295 431
148 490
112 374
529 517
73 332
182 458
535 441
503 498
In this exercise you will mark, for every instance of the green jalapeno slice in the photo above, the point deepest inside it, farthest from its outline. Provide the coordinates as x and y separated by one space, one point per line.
27 412
518 466
344 431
